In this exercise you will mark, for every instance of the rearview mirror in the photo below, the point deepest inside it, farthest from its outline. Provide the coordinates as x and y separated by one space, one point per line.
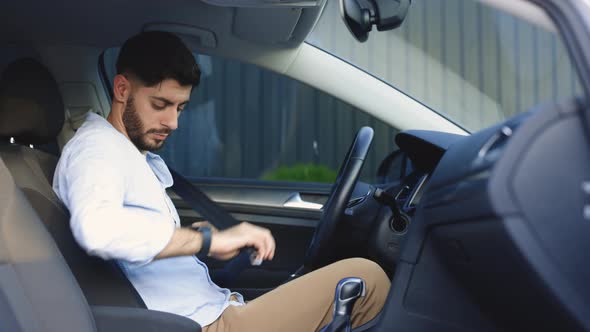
360 15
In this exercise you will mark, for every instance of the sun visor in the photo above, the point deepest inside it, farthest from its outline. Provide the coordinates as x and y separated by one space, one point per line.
193 37
253 24
265 3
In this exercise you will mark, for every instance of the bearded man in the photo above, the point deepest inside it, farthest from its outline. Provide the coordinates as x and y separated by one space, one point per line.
115 189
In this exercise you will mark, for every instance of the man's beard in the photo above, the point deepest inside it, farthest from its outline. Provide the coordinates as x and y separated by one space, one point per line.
135 129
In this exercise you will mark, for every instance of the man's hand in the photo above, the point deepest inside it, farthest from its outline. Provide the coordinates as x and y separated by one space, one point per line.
227 243
224 244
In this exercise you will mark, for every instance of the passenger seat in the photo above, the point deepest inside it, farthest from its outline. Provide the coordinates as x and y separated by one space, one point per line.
32 114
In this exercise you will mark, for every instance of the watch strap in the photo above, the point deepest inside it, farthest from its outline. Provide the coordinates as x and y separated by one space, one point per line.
206 244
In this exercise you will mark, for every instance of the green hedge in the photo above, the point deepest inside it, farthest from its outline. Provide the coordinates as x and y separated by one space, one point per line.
302 173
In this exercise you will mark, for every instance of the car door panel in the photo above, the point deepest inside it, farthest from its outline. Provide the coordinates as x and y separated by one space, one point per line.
266 204
262 204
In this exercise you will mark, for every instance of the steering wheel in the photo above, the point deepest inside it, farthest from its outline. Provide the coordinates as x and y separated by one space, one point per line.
338 201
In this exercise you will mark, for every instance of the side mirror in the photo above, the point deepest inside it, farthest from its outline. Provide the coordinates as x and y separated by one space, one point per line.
360 15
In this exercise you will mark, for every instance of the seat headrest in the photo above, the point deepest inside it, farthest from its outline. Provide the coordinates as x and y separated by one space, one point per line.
31 108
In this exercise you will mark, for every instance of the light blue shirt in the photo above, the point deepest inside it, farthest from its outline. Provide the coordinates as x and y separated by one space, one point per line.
120 210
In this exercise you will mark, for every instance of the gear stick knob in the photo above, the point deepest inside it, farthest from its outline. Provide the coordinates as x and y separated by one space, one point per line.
348 291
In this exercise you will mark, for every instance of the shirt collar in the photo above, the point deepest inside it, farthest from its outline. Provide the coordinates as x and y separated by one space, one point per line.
159 167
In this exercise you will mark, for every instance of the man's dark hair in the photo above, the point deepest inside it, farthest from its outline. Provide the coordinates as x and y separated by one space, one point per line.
154 56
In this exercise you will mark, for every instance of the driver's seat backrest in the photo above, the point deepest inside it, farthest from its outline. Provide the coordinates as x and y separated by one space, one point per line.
37 290
32 113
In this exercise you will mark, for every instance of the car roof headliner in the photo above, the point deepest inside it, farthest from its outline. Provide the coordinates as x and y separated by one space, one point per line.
108 23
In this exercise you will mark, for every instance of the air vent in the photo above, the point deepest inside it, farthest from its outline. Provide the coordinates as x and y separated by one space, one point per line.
404 193
356 201
495 142
492 149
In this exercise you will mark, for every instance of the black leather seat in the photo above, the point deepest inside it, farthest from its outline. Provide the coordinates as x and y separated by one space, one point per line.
37 290
31 114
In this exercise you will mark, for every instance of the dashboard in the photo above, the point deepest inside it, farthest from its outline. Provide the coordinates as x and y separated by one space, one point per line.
496 230
447 181
424 150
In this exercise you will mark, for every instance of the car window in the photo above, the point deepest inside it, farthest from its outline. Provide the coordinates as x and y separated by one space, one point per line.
472 63
249 123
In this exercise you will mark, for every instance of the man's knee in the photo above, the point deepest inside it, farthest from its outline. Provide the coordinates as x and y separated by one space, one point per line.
369 271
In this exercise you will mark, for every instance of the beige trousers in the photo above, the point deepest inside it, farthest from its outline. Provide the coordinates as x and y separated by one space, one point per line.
306 303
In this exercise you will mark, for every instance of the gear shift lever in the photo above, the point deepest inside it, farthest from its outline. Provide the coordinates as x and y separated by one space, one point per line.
348 291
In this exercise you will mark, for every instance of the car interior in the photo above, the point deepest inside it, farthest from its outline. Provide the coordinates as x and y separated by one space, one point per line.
479 230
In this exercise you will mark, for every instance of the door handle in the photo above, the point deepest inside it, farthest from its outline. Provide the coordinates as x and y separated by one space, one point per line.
296 201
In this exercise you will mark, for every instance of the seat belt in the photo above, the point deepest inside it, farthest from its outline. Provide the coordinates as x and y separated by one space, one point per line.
218 217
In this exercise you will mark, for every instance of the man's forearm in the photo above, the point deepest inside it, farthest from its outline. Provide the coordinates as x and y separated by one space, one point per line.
184 242
224 244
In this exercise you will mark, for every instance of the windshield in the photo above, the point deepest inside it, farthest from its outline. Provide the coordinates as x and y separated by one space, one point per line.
470 62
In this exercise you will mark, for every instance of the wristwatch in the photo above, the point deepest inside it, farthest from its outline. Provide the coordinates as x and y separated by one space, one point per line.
206 245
